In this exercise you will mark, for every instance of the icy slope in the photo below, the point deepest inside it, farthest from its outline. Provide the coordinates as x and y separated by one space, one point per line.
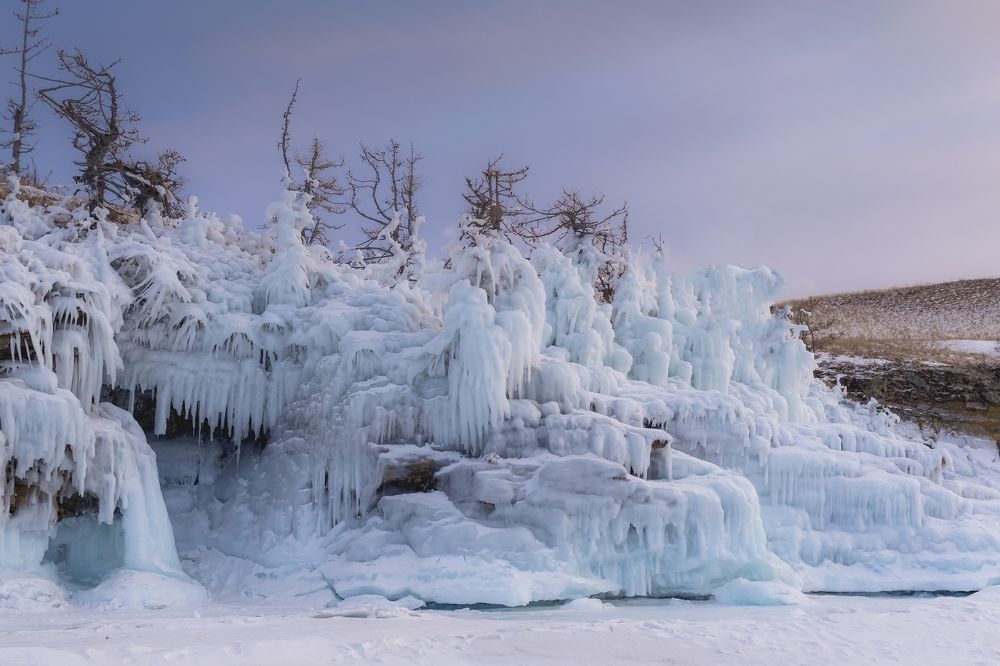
488 432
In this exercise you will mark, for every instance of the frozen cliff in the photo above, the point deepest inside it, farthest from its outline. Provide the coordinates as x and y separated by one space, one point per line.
490 431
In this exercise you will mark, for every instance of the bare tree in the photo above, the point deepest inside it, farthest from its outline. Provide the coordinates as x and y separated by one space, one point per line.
573 219
103 131
19 108
319 178
818 330
324 189
157 182
384 191
493 204
284 143
575 223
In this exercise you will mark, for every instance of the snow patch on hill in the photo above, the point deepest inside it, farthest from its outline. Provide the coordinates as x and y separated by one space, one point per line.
982 347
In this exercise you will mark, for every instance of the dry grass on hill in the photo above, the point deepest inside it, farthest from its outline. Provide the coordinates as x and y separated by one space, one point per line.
47 198
909 322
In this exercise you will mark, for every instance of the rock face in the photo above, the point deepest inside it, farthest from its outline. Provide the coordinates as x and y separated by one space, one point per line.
964 397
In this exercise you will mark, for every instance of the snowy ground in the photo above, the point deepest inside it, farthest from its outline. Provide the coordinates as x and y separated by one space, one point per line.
984 347
824 630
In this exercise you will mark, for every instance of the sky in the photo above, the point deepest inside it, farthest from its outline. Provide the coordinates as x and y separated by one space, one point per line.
848 145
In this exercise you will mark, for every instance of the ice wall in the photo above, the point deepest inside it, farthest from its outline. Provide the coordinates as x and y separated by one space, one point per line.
63 453
486 429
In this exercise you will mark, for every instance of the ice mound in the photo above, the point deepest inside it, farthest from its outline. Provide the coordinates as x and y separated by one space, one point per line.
990 594
127 588
372 605
485 429
585 605
743 592
25 592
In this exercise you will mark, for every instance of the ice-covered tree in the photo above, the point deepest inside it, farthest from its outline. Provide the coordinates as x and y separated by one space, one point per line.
647 337
497 206
576 321
592 236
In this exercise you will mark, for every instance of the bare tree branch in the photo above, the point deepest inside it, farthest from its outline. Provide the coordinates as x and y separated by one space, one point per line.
286 119
319 178
817 329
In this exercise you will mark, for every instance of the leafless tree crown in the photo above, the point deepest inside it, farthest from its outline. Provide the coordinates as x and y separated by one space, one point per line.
22 124
495 206
573 219
103 131
384 189
493 203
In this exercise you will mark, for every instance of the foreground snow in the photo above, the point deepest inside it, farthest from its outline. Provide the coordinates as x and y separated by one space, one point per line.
822 630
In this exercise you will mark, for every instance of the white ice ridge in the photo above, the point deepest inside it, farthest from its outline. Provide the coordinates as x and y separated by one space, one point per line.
482 429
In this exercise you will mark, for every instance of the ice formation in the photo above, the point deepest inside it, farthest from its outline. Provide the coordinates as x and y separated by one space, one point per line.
485 429
64 453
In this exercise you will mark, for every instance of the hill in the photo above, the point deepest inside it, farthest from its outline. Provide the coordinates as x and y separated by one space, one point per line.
929 352
960 310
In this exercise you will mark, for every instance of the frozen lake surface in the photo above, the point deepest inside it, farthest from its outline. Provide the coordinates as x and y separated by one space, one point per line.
823 630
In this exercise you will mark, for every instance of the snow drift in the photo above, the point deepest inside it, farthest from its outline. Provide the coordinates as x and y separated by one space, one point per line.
489 431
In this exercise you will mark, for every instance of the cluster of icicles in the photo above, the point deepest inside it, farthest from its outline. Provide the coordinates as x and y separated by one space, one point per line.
667 441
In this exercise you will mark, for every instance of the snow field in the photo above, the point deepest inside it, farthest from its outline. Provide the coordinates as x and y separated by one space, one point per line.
826 632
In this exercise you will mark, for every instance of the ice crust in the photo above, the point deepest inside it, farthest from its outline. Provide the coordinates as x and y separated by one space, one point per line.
487 432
